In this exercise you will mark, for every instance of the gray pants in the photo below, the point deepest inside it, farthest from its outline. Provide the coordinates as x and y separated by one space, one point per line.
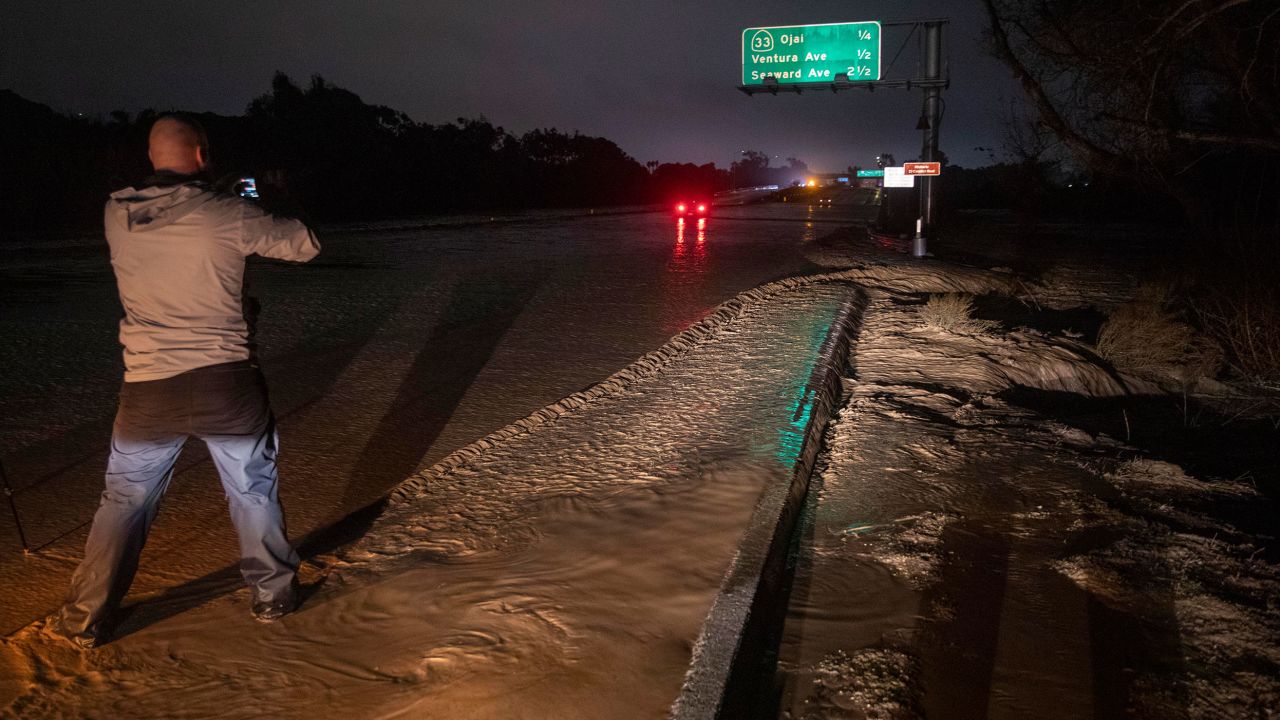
138 473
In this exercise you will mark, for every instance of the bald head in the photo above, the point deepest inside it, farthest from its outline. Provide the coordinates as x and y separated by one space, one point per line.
179 145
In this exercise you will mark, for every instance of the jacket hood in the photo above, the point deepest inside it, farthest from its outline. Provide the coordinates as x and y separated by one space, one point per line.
156 206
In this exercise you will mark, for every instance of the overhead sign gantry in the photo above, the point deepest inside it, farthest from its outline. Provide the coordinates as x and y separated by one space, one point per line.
844 56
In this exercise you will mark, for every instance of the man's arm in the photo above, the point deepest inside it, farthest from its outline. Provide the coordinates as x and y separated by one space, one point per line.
276 237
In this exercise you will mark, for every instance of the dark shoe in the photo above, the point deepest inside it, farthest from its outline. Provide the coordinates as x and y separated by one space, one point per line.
269 612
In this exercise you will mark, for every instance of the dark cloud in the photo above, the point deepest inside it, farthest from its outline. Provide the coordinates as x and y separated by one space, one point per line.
656 77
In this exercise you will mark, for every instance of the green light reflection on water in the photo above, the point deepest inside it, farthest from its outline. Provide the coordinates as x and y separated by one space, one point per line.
791 436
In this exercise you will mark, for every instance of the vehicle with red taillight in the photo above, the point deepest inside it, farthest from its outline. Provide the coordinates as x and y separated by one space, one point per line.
695 208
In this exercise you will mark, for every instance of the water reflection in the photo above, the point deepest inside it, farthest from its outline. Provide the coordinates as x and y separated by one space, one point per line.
791 438
689 255
809 234
687 272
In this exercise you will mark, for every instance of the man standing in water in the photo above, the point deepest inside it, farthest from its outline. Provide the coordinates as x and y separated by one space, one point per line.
178 250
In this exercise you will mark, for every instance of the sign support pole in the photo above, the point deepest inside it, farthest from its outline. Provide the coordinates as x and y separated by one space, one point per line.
932 113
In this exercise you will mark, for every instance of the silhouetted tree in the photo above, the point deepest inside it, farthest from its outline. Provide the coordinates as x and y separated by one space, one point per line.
752 170
568 169
335 155
685 181
1169 94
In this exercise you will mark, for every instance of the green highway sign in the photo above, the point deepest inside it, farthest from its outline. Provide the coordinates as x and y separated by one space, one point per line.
870 173
795 54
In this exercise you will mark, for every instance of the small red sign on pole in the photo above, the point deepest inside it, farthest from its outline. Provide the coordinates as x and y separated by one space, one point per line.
922 168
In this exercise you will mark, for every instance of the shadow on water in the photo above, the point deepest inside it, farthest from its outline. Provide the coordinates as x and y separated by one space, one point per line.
973 668
480 311
1125 645
958 645
307 373
224 581
1000 631
1132 650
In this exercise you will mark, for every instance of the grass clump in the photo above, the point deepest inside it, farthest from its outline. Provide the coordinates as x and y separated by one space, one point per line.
1148 336
953 312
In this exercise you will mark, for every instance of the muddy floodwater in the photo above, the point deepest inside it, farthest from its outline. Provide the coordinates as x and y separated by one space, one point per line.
1000 524
403 341
560 567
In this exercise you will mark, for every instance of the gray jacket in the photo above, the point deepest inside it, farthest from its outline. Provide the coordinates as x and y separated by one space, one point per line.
179 252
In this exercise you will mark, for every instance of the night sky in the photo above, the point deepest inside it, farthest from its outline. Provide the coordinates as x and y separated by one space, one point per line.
658 78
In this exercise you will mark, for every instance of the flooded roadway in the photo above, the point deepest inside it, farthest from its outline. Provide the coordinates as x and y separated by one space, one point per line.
401 343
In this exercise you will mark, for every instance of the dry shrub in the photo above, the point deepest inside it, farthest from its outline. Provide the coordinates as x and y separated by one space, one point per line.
953 312
1236 298
1146 336
1245 320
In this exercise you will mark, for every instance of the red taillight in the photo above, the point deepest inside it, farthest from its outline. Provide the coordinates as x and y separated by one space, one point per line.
680 207
702 208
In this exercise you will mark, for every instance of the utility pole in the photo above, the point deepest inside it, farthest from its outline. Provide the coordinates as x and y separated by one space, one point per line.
932 116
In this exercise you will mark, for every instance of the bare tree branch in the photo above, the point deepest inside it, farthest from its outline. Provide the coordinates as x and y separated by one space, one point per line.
1228 139
1049 114
1253 62
1151 39
1195 24
1199 136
